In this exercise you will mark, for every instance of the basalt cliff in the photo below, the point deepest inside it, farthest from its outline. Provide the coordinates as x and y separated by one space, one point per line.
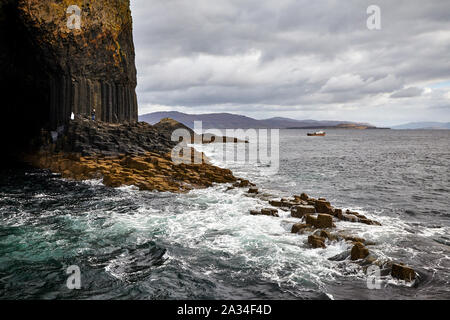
63 57
63 62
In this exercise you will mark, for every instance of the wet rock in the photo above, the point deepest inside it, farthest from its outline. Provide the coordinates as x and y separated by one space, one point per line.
370 222
324 221
150 171
349 218
402 272
384 272
325 234
270 212
302 210
135 163
359 251
337 213
304 197
311 220
299 200
352 238
288 202
323 206
300 227
353 213
253 191
283 203
276 203
352 216
316 241
366 221
243 184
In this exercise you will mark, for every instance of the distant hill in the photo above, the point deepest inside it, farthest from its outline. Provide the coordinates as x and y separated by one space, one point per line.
424 125
234 121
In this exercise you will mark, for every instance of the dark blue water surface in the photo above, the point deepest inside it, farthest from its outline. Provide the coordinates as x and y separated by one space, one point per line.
205 245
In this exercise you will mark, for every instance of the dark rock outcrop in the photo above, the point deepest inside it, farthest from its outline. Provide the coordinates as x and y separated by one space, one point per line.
94 138
265 212
243 183
300 227
326 234
302 210
269 212
359 251
253 191
402 272
324 221
323 206
318 222
123 154
316 241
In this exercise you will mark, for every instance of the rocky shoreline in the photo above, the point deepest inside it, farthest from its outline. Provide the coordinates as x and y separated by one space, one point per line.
122 155
318 219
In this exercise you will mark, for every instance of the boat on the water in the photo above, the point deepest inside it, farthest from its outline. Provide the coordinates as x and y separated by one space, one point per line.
317 134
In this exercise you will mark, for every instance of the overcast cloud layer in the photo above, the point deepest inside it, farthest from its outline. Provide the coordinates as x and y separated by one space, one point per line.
295 58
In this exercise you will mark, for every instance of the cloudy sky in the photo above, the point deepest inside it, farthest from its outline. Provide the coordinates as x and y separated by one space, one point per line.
295 58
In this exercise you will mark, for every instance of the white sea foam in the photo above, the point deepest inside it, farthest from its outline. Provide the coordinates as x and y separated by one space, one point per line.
217 222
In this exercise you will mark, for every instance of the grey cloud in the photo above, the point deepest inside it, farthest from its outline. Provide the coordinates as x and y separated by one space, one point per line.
408 93
291 55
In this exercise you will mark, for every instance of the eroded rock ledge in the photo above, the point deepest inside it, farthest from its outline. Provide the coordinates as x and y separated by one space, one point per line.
122 154
318 219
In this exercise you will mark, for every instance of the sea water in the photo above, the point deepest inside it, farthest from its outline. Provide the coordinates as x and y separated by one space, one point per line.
131 244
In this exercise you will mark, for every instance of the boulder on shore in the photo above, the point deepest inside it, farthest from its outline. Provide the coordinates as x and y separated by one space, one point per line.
323 206
243 184
150 171
324 221
302 210
300 227
311 220
353 238
316 241
402 272
359 251
325 234
269 212
276 203
253 191
348 217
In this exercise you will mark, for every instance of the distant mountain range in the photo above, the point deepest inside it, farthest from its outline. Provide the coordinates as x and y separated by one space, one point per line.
234 121
424 125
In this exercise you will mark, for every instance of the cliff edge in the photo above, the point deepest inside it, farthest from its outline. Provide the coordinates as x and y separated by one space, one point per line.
59 57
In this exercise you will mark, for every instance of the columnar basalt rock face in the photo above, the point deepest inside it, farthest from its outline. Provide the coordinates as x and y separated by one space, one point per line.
49 70
128 154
